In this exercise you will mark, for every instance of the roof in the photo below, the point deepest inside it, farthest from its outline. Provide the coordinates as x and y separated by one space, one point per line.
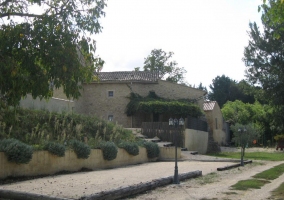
209 105
128 76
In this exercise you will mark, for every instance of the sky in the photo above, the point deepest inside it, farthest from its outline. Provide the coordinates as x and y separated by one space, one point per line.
207 37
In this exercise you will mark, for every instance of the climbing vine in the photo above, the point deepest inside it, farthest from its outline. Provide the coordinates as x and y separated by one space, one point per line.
155 104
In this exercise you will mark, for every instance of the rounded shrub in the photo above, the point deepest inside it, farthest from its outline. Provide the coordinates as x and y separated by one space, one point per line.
81 149
152 148
109 150
130 147
16 151
54 148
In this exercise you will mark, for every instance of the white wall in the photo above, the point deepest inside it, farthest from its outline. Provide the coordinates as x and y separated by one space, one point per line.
52 105
195 140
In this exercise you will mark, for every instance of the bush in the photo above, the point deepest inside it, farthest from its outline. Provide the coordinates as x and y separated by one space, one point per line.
131 148
109 150
55 148
152 148
81 149
16 151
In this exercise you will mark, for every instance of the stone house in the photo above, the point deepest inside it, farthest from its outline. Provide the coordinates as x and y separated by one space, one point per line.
218 127
109 95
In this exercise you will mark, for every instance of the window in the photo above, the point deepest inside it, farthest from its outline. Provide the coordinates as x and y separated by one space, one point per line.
110 118
110 93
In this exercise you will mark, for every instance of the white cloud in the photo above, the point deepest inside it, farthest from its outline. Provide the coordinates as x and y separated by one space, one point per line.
208 37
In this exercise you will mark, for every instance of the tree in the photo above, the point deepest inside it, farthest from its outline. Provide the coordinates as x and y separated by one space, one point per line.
201 87
159 60
244 135
243 113
51 49
225 89
264 54
221 90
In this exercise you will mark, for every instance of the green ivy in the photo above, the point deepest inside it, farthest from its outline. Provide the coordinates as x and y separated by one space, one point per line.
130 147
81 149
16 151
54 148
154 104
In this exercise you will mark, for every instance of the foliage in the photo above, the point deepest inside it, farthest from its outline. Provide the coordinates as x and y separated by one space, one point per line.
201 87
54 148
242 113
152 148
224 89
263 56
109 150
252 155
279 137
36 126
81 149
47 49
130 147
16 151
155 104
159 60
244 135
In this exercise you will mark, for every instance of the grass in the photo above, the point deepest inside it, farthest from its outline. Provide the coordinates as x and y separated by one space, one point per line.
261 179
251 155
249 184
278 193
271 173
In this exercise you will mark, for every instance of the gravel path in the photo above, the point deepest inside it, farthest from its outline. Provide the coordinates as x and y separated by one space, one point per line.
215 186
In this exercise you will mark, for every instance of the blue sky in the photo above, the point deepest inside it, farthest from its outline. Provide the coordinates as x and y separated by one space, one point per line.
207 37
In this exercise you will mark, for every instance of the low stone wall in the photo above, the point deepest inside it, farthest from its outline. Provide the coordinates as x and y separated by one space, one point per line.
168 153
44 163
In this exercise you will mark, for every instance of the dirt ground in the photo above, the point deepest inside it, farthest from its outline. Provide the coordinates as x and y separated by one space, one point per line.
212 185
216 186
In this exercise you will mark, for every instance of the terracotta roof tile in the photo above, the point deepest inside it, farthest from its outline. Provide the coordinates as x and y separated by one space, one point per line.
208 105
128 76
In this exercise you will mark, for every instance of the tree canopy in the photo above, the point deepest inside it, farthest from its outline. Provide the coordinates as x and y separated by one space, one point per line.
225 89
244 136
264 54
46 44
160 61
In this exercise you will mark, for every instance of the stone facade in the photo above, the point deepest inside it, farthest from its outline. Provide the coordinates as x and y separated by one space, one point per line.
215 121
108 100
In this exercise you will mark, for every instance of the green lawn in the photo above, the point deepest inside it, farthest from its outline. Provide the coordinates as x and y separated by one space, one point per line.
275 156
261 179
271 173
249 184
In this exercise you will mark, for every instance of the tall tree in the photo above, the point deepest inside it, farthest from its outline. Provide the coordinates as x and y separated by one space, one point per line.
160 61
225 89
264 54
46 44
201 87
221 90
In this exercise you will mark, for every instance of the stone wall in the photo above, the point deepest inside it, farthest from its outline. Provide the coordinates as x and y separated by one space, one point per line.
96 101
44 163
215 122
